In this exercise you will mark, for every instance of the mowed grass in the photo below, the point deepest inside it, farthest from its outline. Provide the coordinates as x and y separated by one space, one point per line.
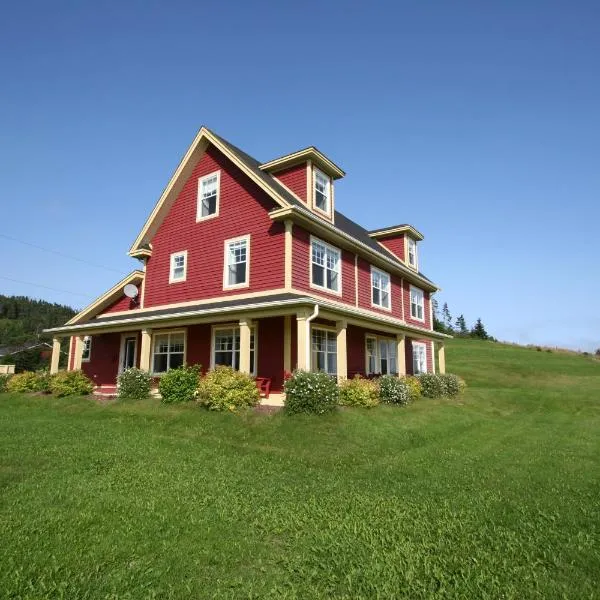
493 495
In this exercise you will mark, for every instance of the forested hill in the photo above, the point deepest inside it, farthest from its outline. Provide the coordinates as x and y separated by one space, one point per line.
23 319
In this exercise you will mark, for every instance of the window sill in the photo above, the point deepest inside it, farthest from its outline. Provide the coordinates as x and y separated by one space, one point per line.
325 289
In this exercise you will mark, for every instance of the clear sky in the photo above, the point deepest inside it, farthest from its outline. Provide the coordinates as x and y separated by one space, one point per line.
477 122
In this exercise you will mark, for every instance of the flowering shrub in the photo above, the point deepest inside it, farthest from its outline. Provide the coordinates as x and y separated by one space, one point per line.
452 384
225 388
316 393
23 382
359 392
180 385
394 390
431 385
4 382
71 383
414 387
134 384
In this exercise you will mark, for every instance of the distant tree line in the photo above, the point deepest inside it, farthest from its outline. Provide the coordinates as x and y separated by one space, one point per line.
444 323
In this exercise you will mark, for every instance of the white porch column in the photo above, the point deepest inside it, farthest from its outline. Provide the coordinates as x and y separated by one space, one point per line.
441 357
78 352
303 342
287 343
401 354
245 325
55 355
342 350
145 350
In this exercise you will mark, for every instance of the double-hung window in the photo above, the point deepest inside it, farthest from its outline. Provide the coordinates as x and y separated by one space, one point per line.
325 266
419 352
226 348
168 351
380 288
208 196
322 191
417 304
86 353
412 252
381 356
324 350
237 260
178 269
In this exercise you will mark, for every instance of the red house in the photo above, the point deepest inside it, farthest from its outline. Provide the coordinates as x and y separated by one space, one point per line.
249 264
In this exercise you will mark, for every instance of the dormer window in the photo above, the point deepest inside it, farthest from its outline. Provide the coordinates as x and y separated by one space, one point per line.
412 253
322 192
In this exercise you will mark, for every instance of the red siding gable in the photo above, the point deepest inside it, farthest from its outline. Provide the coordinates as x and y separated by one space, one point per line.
123 303
394 245
243 210
294 178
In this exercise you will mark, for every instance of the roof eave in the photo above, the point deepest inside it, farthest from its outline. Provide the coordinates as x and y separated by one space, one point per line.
311 153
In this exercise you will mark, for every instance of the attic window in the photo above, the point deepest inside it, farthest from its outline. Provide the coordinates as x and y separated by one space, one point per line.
412 252
208 196
322 191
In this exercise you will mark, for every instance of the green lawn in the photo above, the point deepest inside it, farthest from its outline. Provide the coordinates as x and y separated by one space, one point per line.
494 495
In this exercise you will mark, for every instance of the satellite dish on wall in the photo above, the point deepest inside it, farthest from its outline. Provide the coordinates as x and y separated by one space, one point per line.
130 290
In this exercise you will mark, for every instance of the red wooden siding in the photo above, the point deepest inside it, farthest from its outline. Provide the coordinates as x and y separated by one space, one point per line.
355 342
301 268
123 303
270 351
103 365
198 346
427 323
243 209
395 245
294 178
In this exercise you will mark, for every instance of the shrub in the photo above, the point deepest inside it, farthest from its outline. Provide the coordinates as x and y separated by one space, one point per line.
451 384
44 381
431 385
180 385
225 388
134 384
71 383
306 392
414 387
394 390
4 383
359 392
22 383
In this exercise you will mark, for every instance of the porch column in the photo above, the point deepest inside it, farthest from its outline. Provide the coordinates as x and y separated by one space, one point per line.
78 353
342 350
287 343
145 350
303 362
401 354
55 355
441 357
245 325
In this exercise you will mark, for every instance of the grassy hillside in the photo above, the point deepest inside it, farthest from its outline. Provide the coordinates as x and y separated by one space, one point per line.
494 495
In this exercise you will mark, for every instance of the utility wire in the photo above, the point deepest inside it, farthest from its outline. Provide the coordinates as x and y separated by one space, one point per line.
46 287
81 260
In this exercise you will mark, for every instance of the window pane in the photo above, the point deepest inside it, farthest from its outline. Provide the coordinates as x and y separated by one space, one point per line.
224 358
318 275
160 363
176 342
332 280
175 360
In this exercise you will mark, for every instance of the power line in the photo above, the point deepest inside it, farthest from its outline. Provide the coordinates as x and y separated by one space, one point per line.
45 287
58 253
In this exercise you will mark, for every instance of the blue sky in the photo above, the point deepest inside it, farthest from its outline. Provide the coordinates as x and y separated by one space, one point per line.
477 123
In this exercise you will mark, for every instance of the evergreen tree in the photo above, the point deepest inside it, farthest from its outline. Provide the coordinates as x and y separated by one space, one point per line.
479 331
447 317
461 325
437 324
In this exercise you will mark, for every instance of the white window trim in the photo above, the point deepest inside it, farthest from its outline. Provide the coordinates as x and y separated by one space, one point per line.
380 306
183 253
235 286
125 336
412 287
86 339
221 326
321 328
199 216
327 212
421 345
159 333
414 265
310 262
377 339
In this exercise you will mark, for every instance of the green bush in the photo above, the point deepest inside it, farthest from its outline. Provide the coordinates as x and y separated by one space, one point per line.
432 385
44 381
394 390
453 385
71 383
306 392
225 388
23 383
359 392
4 382
180 385
134 384
414 387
